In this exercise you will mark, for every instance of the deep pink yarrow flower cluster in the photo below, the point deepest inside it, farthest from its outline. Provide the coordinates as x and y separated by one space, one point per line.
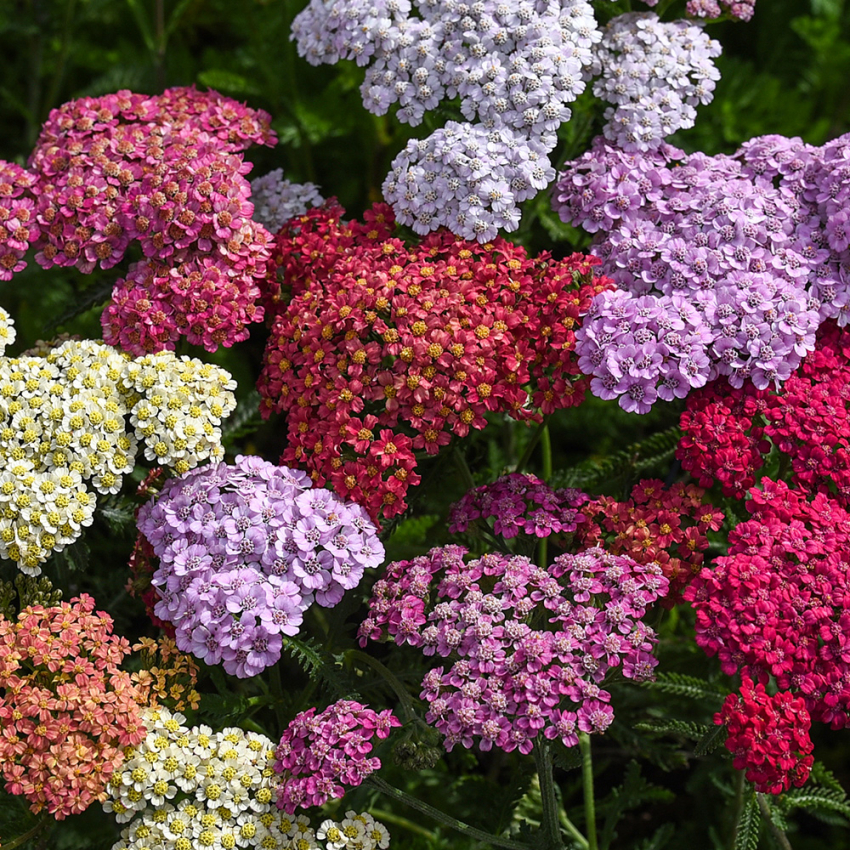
769 736
530 647
165 171
18 226
320 754
519 503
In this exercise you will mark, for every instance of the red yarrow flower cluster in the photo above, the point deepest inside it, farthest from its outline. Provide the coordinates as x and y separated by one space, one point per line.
769 737
380 349
66 710
18 225
320 754
667 526
776 605
728 432
167 172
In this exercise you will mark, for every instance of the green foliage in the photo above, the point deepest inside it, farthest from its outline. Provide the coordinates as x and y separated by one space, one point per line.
749 824
691 687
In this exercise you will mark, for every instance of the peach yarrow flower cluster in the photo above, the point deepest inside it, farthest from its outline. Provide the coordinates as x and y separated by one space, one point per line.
66 710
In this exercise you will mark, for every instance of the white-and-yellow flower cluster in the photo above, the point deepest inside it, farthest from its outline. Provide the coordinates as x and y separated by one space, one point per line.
7 330
195 789
74 414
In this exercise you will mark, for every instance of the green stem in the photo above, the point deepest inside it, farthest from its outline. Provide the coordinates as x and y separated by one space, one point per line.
546 459
739 805
550 826
532 445
589 801
276 688
408 706
443 818
463 469
573 830
30 833
778 834
404 823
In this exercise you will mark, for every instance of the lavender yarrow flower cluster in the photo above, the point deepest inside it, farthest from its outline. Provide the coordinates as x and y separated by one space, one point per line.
655 74
741 10
508 681
519 503
244 550
467 178
738 239
319 754
277 200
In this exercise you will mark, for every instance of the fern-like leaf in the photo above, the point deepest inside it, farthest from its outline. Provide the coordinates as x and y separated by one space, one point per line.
316 663
686 728
713 738
88 298
690 687
814 799
749 824
243 421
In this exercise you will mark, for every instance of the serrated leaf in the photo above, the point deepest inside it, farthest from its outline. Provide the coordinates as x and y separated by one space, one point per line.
749 824
687 686
661 837
88 298
687 728
712 739
243 421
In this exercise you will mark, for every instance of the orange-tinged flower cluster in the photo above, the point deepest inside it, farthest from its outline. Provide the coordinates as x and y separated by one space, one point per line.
169 676
66 710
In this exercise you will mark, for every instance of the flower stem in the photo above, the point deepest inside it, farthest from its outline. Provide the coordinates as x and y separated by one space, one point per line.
463 469
778 834
546 452
589 801
532 445
408 706
442 817
739 805
550 826
40 824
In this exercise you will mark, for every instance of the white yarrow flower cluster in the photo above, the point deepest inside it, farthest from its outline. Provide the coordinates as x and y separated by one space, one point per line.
194 789
277 200
64 428
7 330
654 74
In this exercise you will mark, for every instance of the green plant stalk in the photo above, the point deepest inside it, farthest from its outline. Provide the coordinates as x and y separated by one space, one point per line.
779 835
21 840
546 458
550 825
739 805
441 817
276 688
573 830
587 781
532 445
463 469
408 706
404 823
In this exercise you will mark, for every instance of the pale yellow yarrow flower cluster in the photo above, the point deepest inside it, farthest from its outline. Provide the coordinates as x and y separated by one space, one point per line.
73 416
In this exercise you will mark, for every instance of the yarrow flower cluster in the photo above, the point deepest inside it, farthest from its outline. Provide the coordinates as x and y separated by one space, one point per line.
277 200
661 525
222 785
775 605
520 503
740 10
66 709
769 736
75 415
244 550
654 74
509 681
380 348
321 753
514 68
752 243
727 433
167 172
18 226
168 676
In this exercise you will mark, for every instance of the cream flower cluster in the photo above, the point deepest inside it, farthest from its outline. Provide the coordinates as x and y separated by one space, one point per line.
7 330
64 425
195 789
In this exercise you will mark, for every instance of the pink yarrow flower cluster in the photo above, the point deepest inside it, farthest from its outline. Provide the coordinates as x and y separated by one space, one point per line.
66 710
769 737
776 606
520 503
320 754
18 226
167 172
529 648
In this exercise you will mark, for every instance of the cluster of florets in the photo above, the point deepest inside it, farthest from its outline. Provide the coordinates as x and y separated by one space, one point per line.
354 832
166 172
321 753
384 348
520 503
774 606
185 788
64 425
655 74
513 67
530 647
18 226
277 200
665 526
244 550
739 10
769 737
467 178
168 676
727 433
750 243
66 709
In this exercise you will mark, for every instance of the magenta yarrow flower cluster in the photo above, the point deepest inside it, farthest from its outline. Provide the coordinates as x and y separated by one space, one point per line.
320 754
18 226
166 172
519 503
530 647
244 550
776 605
